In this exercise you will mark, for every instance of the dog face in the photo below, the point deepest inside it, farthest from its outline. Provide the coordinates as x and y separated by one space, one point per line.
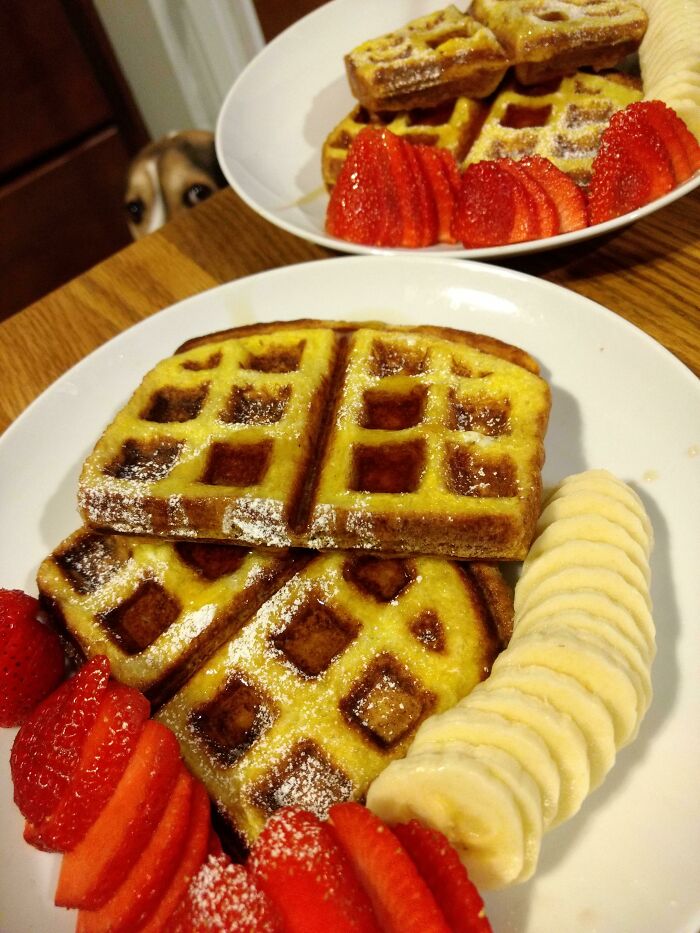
168 176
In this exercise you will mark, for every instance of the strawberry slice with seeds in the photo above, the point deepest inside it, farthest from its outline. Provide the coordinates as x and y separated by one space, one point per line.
32 663
682 147
568 199
105 755
417 199
631 168
48 747
401 899
493 208
224 896
545 208
441 869
152 871
442 176
297 861
97 866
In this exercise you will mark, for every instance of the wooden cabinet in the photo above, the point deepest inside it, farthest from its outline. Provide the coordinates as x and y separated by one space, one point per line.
68 127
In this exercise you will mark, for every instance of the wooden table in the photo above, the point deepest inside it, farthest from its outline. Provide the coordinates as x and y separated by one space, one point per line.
648 273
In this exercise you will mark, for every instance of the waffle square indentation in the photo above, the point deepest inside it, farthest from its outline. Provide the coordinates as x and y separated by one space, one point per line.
387 704
175 404
237 464
393 359
91 561
383 578
483 415
233 720
251 405
428 630
386 410
211 362
389 468
211 561
470 474
306 778
519 116
145 461
316 636
279 359
139 620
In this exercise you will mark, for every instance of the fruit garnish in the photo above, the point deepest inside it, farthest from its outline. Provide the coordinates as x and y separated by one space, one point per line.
225 896
32 662
98 865
441 869
632 167
568 199
442 176
48 747
545 209
297 861
493 208
105 755
682 147
415 197
152 871
401 899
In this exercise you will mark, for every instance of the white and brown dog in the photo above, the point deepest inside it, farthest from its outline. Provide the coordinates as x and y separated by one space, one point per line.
172 174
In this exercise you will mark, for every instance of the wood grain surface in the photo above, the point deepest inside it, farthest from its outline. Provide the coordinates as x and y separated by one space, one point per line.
648 273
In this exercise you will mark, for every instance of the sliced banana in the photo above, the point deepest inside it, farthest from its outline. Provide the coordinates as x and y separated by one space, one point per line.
597 668
600 605
461 796
578 554
466 724
589 527
563 738
584 502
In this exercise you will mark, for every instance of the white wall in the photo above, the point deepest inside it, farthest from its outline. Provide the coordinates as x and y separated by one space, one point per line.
180 57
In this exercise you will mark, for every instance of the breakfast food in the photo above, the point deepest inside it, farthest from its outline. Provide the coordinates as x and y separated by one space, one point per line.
549 38
438 57
422 440
330 679
567 693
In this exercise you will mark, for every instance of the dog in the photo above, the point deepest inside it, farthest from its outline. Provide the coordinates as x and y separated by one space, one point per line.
170 175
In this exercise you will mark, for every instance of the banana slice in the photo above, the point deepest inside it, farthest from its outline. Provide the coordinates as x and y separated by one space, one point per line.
584 502
589 527
462 797
588 626
599 669
602 607
466 725
578 554
563 738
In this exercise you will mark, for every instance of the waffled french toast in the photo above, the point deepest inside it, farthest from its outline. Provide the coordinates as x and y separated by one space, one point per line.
549 38
432 59
328 682
330 436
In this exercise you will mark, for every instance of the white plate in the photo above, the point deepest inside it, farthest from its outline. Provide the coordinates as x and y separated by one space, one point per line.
630 859
273 122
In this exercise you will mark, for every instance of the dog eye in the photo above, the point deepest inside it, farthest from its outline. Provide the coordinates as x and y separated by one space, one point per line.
135 209
195 194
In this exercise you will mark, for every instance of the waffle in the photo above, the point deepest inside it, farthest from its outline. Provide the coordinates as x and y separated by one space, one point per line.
562 121
436 58
431 443
156 609
550 38
328 682
452 125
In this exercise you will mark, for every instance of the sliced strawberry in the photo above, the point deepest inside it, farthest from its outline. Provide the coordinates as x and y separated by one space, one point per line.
418 199
401 899
545 209
105 755
682 147
98 865
493 208
441 869
443 184
224 896
361 208
569 200
32 663
631 168
48 747
194 855
152 871
298 863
